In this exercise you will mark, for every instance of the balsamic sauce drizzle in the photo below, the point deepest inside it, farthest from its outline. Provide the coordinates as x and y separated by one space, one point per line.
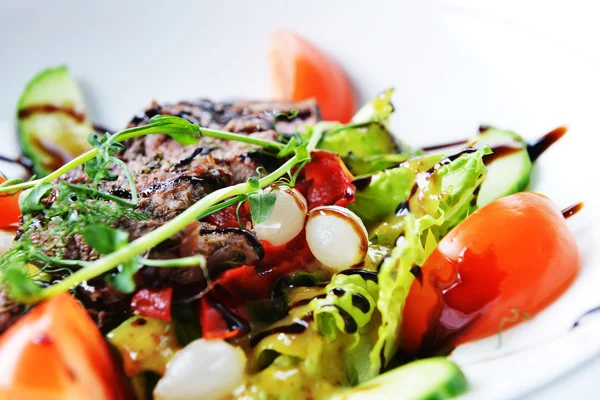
572 210
537 148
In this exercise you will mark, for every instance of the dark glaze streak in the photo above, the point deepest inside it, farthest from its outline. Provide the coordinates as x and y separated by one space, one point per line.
499 152
200 151
444 145
483 128
402 207
51 109
585 314
359 301
295 328
475 195
365 274
145 115
418 274
536 149
350 325
234 323
122 193
382 355
451 158
304 302
362 183
101 129
22 162
572 210
339 292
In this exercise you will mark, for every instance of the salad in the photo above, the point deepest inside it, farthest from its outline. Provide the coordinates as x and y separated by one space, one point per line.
264 249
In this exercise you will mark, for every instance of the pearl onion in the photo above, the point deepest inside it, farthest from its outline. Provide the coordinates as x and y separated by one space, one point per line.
336 236
202 370
287 219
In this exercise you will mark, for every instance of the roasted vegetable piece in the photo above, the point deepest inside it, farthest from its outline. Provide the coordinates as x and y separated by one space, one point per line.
145 344
515 255
53 126
9 209
56 352
153 303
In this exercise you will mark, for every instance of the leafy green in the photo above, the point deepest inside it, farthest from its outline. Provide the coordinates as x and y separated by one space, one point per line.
98 168
31 200
104 239
442 199
180 129
261 206
107 240
389 188
19 283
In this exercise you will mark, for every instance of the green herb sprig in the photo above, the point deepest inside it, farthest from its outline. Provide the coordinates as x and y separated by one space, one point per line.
178 128
124 255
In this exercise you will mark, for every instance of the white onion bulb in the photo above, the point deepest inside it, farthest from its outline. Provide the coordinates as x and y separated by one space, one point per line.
202 370
287 219
336 236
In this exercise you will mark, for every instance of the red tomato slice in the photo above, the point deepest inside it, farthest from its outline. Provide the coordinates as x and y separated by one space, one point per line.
512 257
153 303
56 352
9 209
301 71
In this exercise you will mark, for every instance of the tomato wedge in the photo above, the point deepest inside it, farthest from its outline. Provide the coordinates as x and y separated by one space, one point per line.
301 71
9 209
508 260
56 352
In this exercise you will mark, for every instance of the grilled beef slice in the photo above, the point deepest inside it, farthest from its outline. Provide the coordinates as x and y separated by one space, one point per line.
169 179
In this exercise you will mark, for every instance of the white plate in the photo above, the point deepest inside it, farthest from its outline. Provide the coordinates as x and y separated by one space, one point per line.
453 68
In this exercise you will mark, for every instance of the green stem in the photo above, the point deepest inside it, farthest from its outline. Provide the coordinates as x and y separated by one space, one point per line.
221 206
193 261
267 144
162 128
152 239
352 126
130 179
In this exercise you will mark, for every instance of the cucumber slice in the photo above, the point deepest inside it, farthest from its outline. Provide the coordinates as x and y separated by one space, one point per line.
509 167
53 127
429 379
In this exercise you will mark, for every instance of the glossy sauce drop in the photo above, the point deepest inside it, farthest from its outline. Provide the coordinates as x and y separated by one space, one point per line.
536 149
572 210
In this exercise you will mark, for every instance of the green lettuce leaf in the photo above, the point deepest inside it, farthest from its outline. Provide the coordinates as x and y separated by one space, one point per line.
389 188
442 199
314 335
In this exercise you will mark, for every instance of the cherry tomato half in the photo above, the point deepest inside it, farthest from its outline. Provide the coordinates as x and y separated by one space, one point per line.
509 259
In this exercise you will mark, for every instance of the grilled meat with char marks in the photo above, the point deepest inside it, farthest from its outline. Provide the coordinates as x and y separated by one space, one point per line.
169 179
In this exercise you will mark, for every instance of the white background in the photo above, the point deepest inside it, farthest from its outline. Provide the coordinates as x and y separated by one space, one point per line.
528 66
